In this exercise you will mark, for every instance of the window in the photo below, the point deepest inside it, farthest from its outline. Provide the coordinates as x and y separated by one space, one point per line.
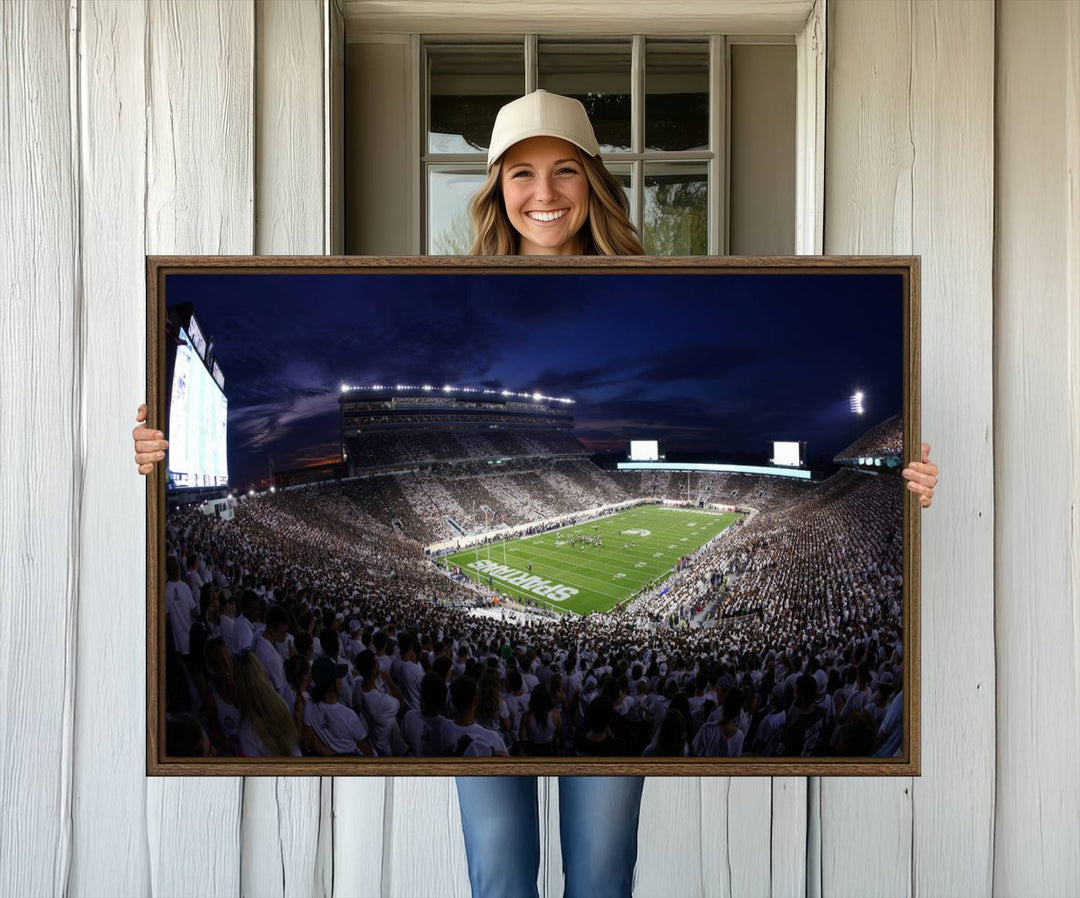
660 108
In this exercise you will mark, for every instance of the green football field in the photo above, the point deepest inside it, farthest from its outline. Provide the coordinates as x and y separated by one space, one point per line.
587 577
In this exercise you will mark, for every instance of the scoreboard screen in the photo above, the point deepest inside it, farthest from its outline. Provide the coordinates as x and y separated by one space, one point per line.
644 450
787 454
198 413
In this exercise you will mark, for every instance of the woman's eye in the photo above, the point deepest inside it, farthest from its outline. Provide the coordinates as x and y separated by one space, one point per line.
567 171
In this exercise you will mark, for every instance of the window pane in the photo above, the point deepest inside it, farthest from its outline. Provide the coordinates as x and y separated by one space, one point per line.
597 74
466 87
623 174
449 191
676 95
676 209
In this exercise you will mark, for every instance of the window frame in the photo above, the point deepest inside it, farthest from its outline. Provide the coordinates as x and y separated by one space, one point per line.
810 117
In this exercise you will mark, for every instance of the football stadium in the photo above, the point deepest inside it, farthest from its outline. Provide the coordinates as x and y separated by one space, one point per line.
635 607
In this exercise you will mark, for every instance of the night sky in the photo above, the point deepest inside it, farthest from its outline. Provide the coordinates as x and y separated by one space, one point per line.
717 365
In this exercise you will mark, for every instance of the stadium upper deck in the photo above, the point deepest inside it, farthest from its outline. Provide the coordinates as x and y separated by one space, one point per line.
384 426
404 408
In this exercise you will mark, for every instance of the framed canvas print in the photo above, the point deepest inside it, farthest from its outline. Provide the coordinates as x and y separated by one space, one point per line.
533 516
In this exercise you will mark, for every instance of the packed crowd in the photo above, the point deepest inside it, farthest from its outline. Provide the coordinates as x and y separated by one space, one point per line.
884 440
379 449
309 625
751 490
478 496
830 558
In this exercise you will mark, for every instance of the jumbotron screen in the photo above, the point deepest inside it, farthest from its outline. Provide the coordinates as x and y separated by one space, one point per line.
198 412
644 450
786 454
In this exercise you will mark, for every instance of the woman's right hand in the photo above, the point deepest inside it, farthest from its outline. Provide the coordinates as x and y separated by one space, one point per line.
150 445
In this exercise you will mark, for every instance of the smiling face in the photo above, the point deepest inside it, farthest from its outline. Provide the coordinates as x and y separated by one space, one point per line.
546 195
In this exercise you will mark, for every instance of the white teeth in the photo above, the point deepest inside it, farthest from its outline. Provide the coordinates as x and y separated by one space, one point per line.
546 216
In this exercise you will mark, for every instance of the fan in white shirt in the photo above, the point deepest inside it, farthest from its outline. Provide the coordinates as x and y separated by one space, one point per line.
572 681
275 632
378 709
192 575
462 661
767 740
181 606
331 646
379 644
329 727
423 727
517 700
354 645
227 620
409 674
463 736
722 738
243 634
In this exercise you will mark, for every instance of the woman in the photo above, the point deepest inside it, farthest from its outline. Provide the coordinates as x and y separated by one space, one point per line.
491 710
298 676
541 726
266 722
220 702
547 193
559 701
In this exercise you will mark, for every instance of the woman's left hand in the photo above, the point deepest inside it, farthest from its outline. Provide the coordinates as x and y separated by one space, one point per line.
922 477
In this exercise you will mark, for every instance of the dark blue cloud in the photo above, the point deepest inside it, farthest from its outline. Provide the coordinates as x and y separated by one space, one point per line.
720 363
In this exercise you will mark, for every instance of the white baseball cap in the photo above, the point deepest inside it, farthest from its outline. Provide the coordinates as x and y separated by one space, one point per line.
541 114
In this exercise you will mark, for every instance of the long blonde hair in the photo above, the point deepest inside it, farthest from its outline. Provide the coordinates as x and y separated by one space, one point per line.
607 231
260 703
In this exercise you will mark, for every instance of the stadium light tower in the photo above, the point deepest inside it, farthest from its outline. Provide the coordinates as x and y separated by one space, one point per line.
857 409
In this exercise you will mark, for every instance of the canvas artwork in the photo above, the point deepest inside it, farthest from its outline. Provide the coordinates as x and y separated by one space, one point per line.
515 516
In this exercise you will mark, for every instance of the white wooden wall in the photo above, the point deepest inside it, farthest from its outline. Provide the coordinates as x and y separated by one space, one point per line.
199 127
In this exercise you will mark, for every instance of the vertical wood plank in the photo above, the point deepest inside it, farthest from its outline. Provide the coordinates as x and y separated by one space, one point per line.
193 830
199 192
953 229
736 830
1037 448
671 839
282 815
813 837
289 128
788 875
810 134
280 826
910 170
361 827
199 199
717 852
334 126
424 849
109 813
324 856
40 444
869 156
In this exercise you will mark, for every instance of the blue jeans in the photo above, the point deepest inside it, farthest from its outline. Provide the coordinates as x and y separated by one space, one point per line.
598 821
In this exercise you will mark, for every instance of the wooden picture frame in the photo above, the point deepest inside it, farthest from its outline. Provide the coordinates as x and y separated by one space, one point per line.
795 290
